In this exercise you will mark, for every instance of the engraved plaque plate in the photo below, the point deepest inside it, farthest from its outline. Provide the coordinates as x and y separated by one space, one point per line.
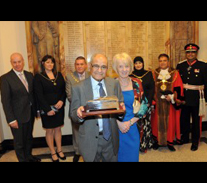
102 106
104 103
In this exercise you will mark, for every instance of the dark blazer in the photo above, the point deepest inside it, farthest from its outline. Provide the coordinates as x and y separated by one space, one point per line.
46 93
89 130
196 75
16 101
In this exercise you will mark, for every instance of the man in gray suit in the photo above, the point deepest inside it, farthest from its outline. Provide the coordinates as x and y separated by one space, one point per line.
72 79
19 107
97 141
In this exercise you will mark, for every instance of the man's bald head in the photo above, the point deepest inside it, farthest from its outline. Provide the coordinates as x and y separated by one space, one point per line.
17 62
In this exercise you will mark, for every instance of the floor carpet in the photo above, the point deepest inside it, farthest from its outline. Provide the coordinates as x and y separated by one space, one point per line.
182 154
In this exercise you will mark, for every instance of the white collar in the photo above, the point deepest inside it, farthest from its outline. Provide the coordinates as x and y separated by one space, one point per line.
95 83
164 74
18 73
80 75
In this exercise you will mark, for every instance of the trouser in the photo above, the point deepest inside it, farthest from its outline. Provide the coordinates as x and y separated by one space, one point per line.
186 113
23 140
75 129
105 151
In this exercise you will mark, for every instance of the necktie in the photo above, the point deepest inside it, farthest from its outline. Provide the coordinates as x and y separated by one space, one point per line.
24 81
106 123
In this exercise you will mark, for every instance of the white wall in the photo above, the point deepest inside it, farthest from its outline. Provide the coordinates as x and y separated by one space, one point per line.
203 40
13 39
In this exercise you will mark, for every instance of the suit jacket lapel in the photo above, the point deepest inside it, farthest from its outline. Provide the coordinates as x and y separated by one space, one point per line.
88 89
109 89
87 74
17 80
76 75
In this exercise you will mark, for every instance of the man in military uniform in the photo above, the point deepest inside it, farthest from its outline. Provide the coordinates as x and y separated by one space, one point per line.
194 77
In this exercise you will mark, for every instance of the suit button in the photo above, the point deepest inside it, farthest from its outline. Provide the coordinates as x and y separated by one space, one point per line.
96 137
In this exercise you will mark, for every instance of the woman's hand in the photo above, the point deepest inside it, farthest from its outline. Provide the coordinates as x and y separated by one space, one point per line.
51 113
123 126
59 104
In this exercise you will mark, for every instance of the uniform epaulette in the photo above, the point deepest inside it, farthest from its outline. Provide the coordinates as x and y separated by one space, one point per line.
205 61
182 61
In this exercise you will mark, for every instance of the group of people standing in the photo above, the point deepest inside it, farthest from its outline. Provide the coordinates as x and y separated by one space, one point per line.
158 105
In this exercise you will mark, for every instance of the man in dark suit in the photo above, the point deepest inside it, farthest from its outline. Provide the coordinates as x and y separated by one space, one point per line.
19 107
98 136
72 79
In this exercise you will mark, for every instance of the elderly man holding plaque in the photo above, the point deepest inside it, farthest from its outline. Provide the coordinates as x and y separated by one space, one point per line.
168 94
98 134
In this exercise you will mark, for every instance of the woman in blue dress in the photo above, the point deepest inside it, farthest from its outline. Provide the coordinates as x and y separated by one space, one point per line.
136 108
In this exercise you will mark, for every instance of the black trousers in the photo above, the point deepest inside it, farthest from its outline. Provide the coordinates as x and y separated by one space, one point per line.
23 140
186 113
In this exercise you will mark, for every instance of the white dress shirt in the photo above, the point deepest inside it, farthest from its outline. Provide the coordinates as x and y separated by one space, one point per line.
96 94
18 73
81 76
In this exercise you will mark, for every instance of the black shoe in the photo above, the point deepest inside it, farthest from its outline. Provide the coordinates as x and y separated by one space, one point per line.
194 147
171 148
185 140
76 158
62 158
155 146
55 161
179 142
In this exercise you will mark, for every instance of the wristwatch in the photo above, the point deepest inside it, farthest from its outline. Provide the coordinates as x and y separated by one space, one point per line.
130 122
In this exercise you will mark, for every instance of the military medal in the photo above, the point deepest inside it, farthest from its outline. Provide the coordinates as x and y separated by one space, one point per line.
189 68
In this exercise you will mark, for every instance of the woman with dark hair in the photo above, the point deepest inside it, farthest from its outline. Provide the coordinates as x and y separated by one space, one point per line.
146 141
49 86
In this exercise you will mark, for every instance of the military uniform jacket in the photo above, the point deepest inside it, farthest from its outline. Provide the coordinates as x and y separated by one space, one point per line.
193 74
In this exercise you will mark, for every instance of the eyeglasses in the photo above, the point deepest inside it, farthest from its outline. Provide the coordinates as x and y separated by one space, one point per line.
97 67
